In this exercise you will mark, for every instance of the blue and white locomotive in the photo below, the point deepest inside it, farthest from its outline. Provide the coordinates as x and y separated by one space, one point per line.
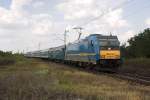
96 49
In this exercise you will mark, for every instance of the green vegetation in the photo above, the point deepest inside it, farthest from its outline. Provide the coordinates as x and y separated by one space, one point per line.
139 46
140 66
37 80
30 79
137 54
7 58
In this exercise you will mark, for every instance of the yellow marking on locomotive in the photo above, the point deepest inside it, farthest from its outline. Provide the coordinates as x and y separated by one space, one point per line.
87 54
83 54
110 54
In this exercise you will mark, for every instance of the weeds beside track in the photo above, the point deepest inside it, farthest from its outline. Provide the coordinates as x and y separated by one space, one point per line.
131 77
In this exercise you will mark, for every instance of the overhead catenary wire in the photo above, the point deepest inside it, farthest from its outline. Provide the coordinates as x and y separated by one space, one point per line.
139 10
57 37
105 13
102 15
99 16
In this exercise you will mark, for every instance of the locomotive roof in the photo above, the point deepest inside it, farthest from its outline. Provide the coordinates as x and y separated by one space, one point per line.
100 36
104 36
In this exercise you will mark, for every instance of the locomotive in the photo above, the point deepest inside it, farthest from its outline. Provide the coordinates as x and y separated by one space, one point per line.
98 50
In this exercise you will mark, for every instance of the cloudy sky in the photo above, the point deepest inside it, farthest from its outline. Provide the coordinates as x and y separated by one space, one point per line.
26 24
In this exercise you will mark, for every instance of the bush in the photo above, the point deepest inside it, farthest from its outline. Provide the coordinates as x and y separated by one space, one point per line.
7 58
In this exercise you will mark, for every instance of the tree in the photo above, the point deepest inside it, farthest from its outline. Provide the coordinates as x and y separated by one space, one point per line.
139 45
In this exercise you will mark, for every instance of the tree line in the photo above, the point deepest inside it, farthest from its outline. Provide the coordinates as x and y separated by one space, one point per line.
138 46
8 58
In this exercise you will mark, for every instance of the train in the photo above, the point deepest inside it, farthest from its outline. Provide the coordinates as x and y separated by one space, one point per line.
95 50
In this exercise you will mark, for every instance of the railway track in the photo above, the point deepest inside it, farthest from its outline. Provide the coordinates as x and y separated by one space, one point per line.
131 77
144 80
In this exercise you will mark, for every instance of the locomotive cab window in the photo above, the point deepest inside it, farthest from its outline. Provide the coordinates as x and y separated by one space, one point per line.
109 42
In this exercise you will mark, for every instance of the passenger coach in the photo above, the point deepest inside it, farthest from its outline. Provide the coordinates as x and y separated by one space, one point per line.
96 49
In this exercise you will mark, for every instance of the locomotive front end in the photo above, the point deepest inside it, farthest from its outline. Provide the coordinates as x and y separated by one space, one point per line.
109 51
110 54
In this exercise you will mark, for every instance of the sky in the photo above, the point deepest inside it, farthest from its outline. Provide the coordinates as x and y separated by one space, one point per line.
27 25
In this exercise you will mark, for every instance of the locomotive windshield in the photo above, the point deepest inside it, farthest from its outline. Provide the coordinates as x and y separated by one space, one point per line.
109 42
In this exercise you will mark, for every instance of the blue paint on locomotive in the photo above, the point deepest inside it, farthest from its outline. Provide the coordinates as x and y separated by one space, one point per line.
85 50
95 45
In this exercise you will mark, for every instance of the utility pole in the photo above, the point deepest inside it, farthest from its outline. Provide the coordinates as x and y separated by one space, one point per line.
65 34
65 41
79 30
110 34
27 49
39 46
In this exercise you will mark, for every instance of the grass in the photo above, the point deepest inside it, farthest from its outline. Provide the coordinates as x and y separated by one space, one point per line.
137 65
31 79
7 58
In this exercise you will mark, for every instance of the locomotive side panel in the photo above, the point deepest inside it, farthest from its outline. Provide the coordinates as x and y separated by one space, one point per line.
81 51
